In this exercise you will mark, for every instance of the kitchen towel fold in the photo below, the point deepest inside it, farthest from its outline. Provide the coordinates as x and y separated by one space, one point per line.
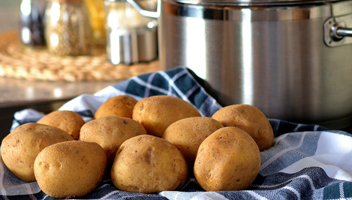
305 162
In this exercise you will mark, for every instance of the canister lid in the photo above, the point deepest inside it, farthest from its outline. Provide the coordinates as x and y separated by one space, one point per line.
253 2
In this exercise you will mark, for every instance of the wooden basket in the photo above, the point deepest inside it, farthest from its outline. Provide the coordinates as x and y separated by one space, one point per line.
36 63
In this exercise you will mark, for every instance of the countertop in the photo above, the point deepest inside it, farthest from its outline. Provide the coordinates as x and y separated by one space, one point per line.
45 96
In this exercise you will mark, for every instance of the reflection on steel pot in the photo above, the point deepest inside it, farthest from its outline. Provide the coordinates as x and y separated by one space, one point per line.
291 59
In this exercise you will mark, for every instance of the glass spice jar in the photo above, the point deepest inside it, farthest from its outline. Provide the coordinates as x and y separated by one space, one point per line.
32 14
97 16
68 29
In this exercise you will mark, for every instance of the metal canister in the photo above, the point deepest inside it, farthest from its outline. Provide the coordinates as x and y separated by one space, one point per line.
32 14
130 37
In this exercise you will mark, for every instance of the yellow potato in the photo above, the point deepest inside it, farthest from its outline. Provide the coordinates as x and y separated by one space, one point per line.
187 134
69 121
250 119
110 132
148 164
229 159
121 106
70 169
20 148
156 113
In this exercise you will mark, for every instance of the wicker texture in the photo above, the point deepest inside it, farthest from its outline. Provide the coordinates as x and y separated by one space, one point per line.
36 63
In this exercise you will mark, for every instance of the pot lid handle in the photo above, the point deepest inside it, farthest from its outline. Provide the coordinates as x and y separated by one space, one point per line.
142 11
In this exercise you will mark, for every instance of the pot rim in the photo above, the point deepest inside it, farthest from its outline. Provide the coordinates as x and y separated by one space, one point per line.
254 2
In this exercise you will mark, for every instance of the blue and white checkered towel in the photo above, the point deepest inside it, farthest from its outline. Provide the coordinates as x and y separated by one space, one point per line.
305 162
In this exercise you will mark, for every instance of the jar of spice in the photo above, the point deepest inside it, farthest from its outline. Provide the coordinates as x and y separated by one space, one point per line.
32 13
97 16
68 29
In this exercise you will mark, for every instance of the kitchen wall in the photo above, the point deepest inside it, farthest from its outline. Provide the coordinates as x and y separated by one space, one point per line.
8 14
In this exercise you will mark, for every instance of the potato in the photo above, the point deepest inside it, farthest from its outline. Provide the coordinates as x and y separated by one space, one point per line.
156 113
110 132
229 159
70 169
121 106
187 134
250 119
148 164
20 148
69 121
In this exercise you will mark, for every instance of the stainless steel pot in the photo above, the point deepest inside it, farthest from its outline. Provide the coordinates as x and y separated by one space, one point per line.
292 59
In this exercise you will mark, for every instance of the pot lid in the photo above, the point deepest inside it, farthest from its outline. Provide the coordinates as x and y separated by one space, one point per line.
253 2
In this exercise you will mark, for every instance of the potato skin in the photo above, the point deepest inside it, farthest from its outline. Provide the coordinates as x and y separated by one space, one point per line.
187 135
250 119
148 164
110 132
120 106
229 159
20 148
156 113
70 169
67 120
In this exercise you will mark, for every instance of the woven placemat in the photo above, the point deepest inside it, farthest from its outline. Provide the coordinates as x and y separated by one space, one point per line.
36 63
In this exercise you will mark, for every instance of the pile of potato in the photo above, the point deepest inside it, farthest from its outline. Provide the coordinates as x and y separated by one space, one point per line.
145 146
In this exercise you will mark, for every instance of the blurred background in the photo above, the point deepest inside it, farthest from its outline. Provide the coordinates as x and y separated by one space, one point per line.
8 17
126 29
17 94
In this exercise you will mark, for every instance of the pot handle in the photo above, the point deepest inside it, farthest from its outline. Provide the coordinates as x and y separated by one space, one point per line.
142 11
338 33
